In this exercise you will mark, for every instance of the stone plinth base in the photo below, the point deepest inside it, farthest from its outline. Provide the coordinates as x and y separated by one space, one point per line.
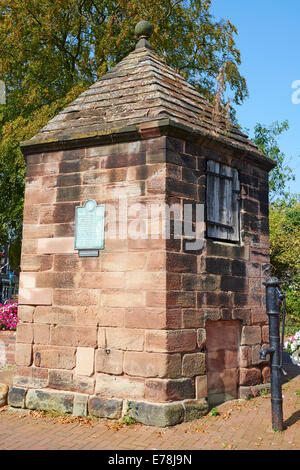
79 404
245 393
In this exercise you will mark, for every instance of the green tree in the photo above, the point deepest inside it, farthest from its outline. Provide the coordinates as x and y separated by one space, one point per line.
284 219
52 50
266 138
285 253
285 239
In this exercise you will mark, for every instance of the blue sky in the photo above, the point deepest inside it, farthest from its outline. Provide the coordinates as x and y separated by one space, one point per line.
268 38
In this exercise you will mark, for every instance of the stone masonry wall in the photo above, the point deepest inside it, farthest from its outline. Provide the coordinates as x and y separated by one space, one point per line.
223 281
85 323
131 324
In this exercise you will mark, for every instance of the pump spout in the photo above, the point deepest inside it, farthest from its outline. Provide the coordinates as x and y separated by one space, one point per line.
264 352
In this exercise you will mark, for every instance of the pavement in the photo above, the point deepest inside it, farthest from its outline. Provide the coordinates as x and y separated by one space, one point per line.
241 425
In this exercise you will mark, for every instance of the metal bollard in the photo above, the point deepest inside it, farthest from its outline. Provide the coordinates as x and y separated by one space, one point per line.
274 298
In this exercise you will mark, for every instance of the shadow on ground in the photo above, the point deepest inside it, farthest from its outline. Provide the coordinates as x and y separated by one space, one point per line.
292 372
293 419
290 368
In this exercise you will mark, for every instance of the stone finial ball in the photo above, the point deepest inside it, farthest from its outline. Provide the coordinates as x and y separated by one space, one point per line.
144 28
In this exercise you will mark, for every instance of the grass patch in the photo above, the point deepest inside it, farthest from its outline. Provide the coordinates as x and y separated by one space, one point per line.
214 412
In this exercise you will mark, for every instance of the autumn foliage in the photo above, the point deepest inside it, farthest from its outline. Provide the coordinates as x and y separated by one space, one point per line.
51 51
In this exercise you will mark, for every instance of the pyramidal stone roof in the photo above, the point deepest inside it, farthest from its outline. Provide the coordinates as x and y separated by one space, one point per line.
141 88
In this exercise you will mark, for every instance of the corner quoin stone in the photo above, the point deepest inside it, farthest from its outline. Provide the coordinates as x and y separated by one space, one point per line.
195 409
156 415
3 394
16 397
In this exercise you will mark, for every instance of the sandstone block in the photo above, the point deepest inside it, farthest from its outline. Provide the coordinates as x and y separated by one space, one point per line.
80 404
46 401
83 384
85 361
250 376
242 314
256 360
35 296
113 317
156 262
3 394
201 387
16 397
39 196
24 333
259 315
75 297
56 315
195 409
53 357
41 334
55 245
125 298
265 334
152 364
220 382
222 359
123 262
181 299
162 390
36 263
65 380
245 393
194 364
152 414
170 341
156 299
192 318
31 377
125 339
105 408
251 335
27 280
222 335
266 374
61 379
101 338
147 318
25 313
245 356
23 355
83 336
109 361
201 338
119 387
146 280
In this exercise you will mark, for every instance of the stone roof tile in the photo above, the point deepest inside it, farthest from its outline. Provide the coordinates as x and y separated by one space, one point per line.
141 88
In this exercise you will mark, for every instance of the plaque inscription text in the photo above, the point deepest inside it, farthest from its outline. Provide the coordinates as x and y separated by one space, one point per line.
89 227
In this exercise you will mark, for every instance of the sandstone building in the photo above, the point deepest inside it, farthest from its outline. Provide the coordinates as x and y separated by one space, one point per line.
150 325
